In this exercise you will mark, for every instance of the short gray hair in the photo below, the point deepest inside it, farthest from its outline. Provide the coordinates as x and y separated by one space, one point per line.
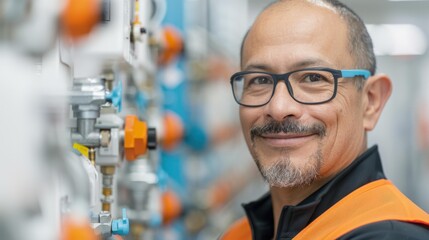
360 43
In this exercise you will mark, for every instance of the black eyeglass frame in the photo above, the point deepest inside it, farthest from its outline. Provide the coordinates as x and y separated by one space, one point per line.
347 73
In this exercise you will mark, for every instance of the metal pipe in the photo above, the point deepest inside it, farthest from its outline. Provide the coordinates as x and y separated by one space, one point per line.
108 172
91 155
91 140
85 126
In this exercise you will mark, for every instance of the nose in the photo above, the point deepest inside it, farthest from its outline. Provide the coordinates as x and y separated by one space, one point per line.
282 105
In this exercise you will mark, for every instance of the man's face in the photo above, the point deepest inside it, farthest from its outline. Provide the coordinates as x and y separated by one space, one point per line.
315 141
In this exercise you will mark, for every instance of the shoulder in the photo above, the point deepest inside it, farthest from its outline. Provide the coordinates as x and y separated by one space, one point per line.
389 230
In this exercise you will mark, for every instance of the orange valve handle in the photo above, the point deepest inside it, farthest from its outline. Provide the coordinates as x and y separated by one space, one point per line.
135 142
137 138
79 17
173 131
171 207
172 45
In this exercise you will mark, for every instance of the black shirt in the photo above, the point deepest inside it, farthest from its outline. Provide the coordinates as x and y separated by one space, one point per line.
365 169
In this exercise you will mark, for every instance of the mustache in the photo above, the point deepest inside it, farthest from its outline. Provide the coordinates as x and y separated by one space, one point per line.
287 126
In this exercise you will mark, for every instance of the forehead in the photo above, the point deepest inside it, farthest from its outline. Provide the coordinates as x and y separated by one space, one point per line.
290 32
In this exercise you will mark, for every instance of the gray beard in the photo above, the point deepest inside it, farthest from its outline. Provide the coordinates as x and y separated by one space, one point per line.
284 174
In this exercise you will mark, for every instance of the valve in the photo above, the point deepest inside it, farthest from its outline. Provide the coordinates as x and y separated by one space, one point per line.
121 226
172 45
173 131
138 138
171 207
115 97
80 17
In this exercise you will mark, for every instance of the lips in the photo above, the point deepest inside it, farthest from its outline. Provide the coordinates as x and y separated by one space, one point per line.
284 140
288 133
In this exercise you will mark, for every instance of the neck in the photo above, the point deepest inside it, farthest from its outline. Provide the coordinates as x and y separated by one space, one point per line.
294 195
290 197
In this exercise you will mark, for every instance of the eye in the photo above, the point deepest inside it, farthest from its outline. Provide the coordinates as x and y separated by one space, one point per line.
314 77
259 80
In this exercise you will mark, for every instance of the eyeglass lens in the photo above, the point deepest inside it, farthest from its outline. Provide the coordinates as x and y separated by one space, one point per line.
307 86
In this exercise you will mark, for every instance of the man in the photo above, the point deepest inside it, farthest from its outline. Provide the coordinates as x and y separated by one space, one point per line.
309 94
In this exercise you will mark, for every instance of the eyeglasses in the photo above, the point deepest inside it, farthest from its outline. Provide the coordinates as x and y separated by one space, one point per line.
306 86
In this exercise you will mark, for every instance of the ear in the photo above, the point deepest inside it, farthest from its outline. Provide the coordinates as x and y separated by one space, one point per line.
376 92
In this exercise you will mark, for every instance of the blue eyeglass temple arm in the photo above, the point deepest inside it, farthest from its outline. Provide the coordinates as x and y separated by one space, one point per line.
355 73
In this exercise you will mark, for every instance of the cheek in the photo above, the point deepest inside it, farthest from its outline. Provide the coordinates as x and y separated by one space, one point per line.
248 118
325 114
350 116
345 114
344 133
332 117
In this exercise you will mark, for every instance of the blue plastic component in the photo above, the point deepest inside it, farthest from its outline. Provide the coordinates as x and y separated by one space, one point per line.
355 73
141 101
155 220
162 179
121 226
196 137
115 97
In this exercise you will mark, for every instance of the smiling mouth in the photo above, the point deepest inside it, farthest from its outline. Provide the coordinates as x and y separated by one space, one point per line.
283 140
288 133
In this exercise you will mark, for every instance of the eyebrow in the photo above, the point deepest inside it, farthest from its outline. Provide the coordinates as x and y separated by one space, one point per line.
311 62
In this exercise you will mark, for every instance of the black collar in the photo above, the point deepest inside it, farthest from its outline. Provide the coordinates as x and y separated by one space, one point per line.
366 168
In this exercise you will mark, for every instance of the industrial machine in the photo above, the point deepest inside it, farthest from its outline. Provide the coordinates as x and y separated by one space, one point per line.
84 71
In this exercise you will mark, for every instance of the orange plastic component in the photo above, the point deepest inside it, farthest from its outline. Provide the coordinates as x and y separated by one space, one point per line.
79 17
73 229
173 131
135 142
171 207
172 45
219 194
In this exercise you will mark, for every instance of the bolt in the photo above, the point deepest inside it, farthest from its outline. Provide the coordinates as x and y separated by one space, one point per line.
104 217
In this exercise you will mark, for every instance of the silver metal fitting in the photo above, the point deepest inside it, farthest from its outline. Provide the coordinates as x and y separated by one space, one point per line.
105 138
103 224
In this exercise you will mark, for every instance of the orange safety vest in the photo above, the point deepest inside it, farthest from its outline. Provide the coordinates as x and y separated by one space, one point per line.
376 201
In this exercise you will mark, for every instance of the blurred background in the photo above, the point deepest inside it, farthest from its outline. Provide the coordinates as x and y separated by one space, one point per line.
118 118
